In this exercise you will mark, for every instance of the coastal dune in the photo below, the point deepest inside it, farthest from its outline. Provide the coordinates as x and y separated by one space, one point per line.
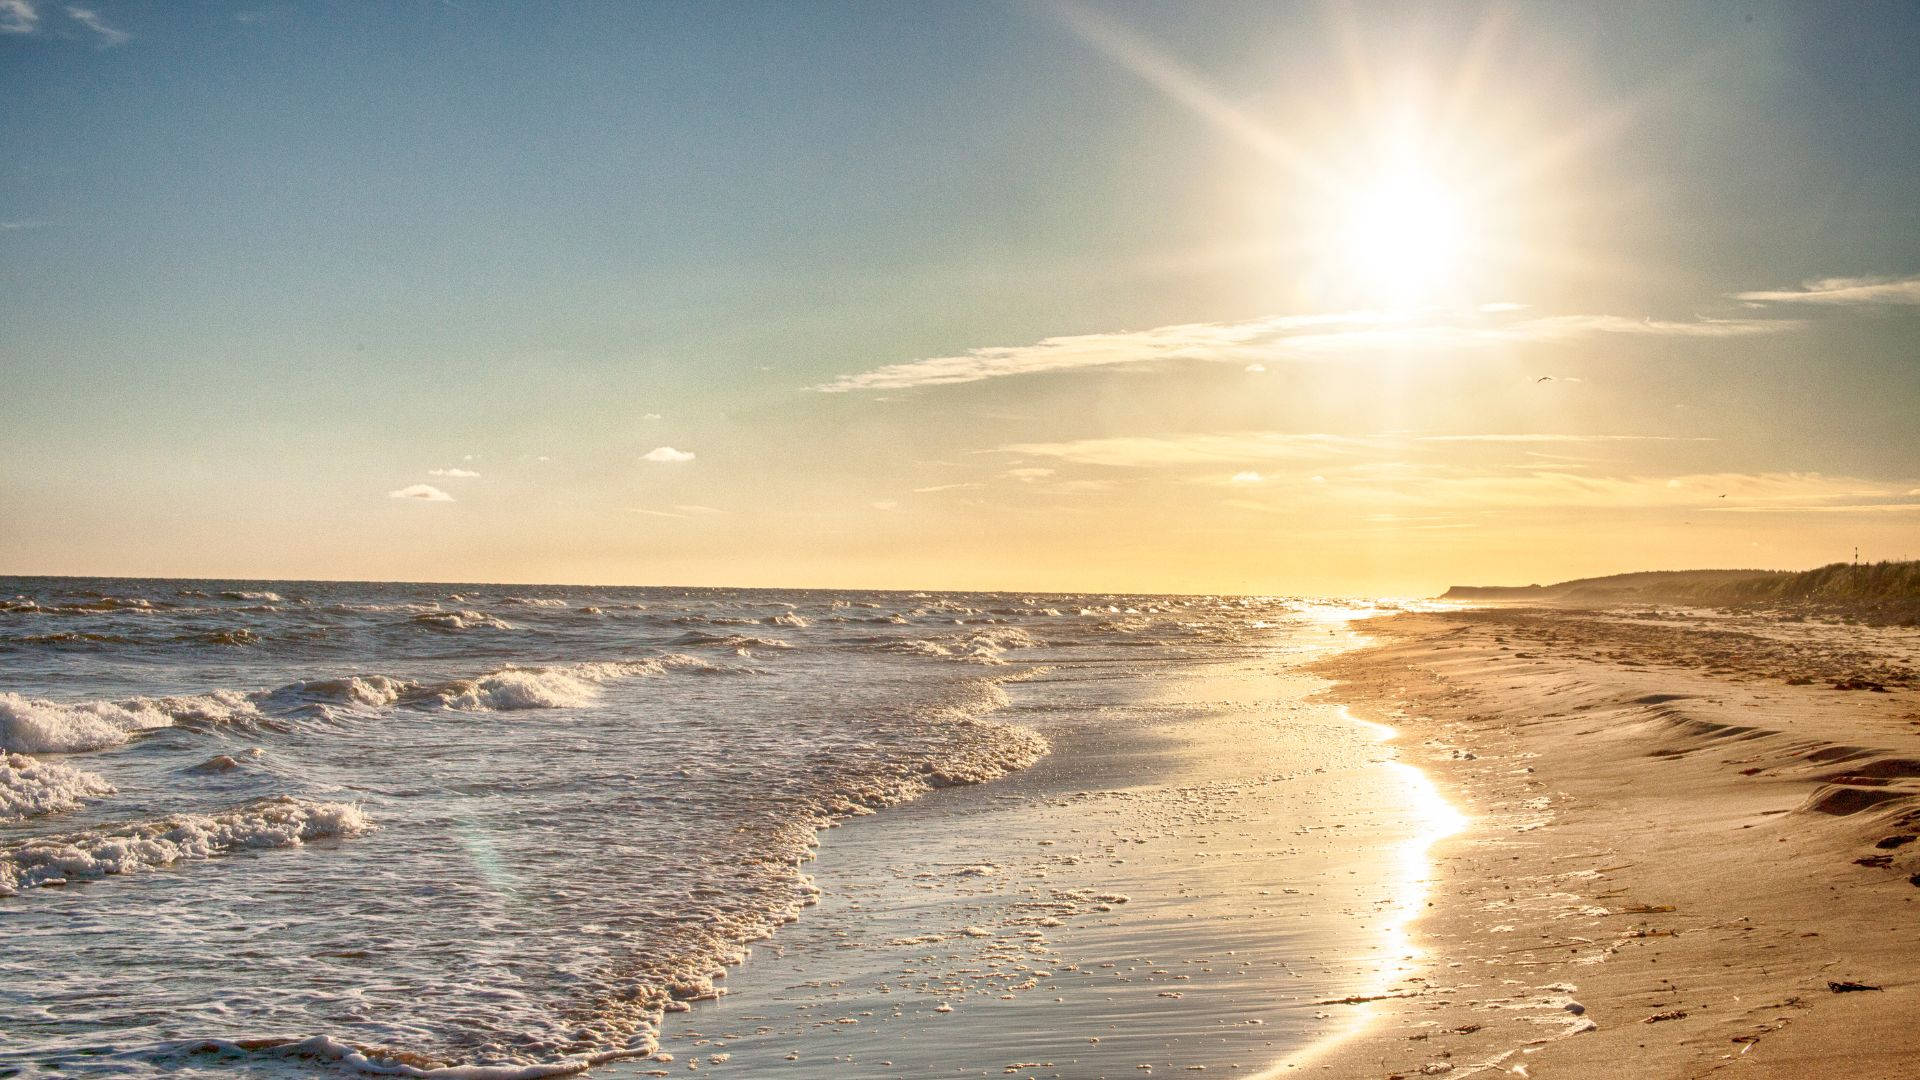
1691 852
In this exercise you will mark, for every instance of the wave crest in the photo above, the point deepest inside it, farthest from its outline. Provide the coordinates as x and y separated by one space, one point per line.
30 787
148 845
461 620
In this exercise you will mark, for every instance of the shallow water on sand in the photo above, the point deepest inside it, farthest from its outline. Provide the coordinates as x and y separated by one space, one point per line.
291 827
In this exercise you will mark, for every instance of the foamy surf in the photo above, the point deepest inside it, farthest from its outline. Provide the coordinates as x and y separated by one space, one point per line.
30 787
148 845
39 726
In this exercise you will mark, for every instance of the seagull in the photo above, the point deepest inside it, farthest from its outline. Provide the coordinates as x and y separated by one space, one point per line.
1544 378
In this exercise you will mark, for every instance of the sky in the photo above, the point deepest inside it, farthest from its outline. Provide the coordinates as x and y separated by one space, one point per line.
1189 296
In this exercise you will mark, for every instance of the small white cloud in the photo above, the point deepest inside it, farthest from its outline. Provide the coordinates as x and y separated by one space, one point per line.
651 416
667 454
1030 473
1247 476
886 504
1499 306
1256 369
421 492
455 473
1319 479
469 457
18 17
90 19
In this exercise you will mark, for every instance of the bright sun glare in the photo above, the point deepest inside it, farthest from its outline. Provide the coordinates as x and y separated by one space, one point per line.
1403 237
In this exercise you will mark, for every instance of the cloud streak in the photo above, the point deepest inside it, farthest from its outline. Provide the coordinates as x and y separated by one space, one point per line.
87 17
1160 451
667 455
463 474
18 17
1560 438
420 493
1258 342
1857 290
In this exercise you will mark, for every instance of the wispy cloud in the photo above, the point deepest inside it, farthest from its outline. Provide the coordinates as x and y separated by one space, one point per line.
667 455
1246 447
91 19
420 493
18 17
680 510
1388 486
1856 508
1560 438
1553 487
1856 290
1256 343
945 487
1154 451
453 473
1244 342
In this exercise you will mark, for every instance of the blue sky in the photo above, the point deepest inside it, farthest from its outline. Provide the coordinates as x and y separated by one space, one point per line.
265 265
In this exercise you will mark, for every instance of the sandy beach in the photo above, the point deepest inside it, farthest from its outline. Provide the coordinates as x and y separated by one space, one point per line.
1690 850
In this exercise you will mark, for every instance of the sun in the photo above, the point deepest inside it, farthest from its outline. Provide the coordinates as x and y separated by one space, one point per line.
1403 237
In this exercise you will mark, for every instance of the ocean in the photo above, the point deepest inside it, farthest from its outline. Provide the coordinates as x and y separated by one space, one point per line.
485 830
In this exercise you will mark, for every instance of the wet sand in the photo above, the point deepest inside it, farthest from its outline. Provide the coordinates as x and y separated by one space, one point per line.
1689 853
1206 858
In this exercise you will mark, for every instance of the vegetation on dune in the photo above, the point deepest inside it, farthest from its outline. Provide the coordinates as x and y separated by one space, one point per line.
1880 592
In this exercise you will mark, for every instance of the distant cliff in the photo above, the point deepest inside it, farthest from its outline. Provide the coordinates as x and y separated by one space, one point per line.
1882 592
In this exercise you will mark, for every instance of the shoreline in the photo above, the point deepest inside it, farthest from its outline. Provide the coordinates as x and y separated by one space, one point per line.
1173 889
1672 866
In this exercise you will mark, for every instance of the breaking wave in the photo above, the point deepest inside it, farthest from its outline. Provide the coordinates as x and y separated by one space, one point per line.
30 787
982 647
148 845
461 620
37 726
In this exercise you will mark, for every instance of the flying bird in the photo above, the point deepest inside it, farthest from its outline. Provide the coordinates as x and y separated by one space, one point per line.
1544 378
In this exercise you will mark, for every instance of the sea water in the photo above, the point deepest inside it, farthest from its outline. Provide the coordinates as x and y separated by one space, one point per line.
501 830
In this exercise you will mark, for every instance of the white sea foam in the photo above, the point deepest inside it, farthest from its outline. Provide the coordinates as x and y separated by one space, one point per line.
37 726
30 787
262 596
535 601
982 647
461 620
378 1062
147 845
